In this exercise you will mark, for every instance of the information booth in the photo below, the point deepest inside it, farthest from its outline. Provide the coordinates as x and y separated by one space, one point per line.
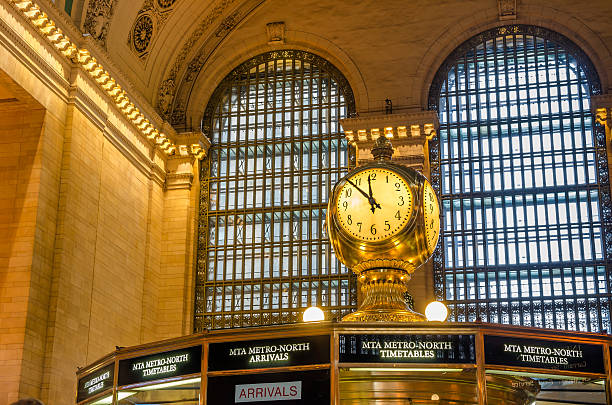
351 363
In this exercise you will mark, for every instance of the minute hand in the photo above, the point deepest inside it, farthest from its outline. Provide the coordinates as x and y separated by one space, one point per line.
358 189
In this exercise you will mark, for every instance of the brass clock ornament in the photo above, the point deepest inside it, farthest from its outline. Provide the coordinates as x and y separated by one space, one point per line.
383 220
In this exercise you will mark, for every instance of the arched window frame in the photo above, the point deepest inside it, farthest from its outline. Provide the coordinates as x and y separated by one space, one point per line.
479 307
240 73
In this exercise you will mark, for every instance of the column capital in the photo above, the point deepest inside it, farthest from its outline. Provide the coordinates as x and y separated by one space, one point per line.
408 133
601 106
183 165
192 143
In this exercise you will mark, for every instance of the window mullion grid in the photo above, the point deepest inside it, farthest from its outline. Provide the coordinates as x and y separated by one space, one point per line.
459 305
494 186
482 230
522 173
462 186
470 159
578 199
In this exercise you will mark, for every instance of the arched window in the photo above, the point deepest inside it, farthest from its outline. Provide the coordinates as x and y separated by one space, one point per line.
277 150
522 173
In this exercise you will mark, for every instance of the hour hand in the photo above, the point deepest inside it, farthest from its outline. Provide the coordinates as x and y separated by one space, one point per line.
371 200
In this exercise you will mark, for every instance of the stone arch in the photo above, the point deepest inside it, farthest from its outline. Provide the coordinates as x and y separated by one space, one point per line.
226 59
567 25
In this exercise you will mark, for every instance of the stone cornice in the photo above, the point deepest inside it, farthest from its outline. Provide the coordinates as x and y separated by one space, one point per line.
403 126
56 81
82 58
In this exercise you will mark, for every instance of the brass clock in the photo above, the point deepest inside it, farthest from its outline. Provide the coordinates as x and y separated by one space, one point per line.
383 212
383 220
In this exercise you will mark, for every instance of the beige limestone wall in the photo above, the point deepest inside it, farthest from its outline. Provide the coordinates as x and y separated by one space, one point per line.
82 195
20 171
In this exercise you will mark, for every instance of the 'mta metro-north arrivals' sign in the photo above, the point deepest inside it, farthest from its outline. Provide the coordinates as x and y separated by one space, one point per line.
249 354
540 353
390 348
160 365
96 382
288 388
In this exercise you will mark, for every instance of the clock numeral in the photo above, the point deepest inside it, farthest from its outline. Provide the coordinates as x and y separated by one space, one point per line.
373 230
359 225
431 208
387 178
349 220
358 181
432 224
372 176
387 225
398 187
349 192
401 200
345 205
397 215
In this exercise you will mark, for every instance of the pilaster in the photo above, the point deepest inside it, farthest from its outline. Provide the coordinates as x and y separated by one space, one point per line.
178 235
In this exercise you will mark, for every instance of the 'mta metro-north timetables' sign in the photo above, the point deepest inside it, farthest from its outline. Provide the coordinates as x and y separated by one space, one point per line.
160 365
94 383
406 349
540 353
268 353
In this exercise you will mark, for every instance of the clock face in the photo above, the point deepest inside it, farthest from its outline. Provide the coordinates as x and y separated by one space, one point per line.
374 204
431 211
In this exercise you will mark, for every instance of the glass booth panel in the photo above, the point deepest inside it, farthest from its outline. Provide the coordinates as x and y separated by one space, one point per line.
415 386
543 389
177 392
104 400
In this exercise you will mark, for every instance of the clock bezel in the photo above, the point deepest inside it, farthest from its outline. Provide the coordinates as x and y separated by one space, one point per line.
391 241
405 219
437 201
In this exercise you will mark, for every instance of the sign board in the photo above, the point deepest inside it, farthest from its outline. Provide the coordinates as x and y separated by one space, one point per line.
160 365
290 388
457 349
540 353
249 354
96 382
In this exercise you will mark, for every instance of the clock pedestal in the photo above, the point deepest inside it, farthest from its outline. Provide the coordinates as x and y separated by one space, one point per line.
383 298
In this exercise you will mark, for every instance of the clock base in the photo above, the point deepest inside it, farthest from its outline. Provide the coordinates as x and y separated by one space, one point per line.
383 291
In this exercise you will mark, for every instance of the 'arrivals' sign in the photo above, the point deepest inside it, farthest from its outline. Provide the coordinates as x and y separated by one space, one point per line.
539 353
160 365
407 349
281 391
287 388
269 353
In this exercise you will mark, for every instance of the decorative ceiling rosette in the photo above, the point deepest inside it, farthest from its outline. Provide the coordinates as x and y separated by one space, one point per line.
165 3
150 19
142 33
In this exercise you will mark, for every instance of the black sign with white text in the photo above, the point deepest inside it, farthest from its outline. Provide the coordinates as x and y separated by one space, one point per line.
249 354
457 349
539 353
160 365
94 383
291 388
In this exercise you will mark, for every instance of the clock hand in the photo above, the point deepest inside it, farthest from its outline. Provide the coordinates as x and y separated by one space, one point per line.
371 200
358 189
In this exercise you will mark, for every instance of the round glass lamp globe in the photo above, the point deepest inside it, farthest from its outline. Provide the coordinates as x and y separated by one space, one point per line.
436 311
313 314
